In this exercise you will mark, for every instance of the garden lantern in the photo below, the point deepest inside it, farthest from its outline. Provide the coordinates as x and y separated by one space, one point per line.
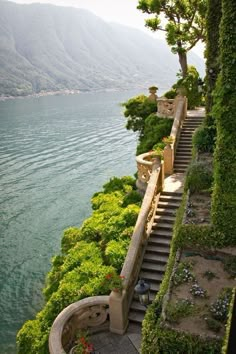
142 289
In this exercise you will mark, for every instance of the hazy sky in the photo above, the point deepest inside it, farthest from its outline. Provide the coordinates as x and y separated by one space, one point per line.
121 11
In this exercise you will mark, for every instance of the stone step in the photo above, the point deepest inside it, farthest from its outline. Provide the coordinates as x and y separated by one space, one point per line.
151 276
136 306
153 267
168 204
164 218
174 198
152 258
181 165
183 158
136 317
165 212
162 226
160 242
180 170
174 194
160 233
157 250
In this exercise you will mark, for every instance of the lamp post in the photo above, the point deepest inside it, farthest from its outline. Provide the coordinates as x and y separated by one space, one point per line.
200 84
142 289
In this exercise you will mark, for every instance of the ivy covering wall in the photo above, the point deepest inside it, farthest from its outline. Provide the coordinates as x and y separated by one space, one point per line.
224 194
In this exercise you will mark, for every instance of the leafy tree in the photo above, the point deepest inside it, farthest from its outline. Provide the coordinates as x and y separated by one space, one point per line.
137 109
185 26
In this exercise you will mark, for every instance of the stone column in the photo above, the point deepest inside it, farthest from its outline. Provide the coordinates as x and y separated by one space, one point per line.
118 310
168 159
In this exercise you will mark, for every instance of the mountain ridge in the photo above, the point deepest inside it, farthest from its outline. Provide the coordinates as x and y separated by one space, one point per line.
48 48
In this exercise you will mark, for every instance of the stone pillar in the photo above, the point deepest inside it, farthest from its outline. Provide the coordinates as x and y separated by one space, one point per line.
118 310
168 159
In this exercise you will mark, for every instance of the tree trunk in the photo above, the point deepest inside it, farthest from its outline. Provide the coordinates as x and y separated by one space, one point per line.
183 63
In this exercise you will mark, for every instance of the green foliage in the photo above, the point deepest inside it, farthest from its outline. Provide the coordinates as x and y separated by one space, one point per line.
228 324
169 341
204 138
190 84
224 195
199 177
82 267
181 309
212 54
213 325
183 273
69 239
116 251
137 109
199 236
230 265
219 309
185 23
171 94
154 130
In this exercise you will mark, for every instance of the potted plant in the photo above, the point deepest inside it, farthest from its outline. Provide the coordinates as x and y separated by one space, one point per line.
82 345
114 282
167 140
153 89
157 153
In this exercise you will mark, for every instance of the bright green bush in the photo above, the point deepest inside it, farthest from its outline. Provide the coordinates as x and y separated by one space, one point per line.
89 253
116 251
199 177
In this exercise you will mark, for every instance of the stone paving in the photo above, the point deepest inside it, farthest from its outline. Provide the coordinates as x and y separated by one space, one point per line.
110 343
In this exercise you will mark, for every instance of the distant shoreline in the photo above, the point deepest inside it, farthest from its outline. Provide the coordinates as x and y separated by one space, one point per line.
63 93
42 94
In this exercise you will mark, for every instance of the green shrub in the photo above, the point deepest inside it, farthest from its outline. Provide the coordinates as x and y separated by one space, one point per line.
190 85
213 325
181 309
137 109
199 236
199 177
155 129
116 251
171 94
204 139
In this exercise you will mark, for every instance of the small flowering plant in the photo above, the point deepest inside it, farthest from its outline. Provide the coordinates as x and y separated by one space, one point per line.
219 309
168 140
197 291
82 345
114 281
183 274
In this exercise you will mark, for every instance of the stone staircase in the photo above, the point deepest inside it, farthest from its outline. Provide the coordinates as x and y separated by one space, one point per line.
158 247
157 250
183 153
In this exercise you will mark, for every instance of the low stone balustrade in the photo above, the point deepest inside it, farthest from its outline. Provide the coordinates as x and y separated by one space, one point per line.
165 107
83 314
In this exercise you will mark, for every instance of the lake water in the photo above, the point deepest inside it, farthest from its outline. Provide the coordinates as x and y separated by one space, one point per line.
55 152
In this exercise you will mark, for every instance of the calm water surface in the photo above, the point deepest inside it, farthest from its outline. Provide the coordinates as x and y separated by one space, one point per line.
55 152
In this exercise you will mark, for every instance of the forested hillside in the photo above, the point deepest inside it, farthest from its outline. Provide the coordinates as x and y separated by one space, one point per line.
45 47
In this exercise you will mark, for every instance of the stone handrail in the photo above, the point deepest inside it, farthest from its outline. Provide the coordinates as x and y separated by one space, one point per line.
165 107
169 151
119 303
89 312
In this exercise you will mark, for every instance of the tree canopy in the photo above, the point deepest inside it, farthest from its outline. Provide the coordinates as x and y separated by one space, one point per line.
182 20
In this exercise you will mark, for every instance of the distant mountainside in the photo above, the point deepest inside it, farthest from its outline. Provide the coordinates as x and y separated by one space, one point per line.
45 47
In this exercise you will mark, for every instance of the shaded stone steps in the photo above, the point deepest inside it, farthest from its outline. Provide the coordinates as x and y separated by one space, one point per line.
157 250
